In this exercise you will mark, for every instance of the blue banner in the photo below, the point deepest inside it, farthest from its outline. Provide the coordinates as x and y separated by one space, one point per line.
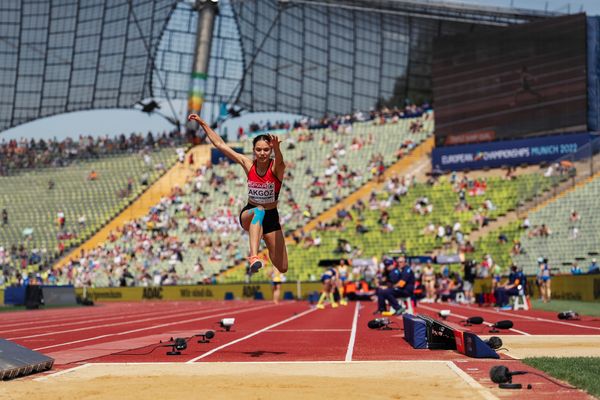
14 295
216 155
513 152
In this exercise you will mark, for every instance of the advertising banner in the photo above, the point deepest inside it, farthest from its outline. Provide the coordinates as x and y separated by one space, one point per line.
564 287
198 292
513 152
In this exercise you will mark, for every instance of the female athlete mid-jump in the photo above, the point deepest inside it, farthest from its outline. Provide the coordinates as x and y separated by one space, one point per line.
259 217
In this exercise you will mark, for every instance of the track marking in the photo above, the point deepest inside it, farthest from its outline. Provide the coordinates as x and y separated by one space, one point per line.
208 353
64 371
465 317
109 364
41 325
470 381
353 334
542 319
86 328
153 327
309 330
52 315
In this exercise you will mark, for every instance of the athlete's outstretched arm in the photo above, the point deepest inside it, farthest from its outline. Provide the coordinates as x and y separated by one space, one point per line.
218 142
279 164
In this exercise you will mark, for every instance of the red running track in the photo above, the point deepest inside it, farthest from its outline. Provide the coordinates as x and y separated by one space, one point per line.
124 332
531 322
292 331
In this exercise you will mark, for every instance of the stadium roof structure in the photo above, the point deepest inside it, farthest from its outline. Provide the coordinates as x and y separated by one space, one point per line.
308 57
69 55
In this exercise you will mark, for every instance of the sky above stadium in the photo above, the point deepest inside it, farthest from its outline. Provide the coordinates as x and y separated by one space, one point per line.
114 122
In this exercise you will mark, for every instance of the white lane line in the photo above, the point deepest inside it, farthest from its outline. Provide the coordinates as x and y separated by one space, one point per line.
64 371
225 312
51 316
129 322
471 382
309 330
353 334
208 353
114 317
465 317
541 319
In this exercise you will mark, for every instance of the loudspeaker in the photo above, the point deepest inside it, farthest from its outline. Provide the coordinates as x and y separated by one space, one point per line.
16 360
33 297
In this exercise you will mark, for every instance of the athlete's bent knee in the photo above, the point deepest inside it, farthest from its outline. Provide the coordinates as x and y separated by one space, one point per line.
281 266
259 216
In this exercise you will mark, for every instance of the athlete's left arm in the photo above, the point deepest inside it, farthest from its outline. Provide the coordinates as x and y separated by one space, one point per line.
279 165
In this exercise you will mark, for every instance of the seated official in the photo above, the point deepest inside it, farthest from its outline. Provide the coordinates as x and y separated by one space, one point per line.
512 287
400 281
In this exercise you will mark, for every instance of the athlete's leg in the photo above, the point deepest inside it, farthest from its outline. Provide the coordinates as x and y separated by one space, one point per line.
324 293
277 251
340 287
276 292
334 304
543 291
252 221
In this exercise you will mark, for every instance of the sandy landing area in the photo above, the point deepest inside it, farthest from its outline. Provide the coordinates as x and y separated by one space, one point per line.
266 381
551 346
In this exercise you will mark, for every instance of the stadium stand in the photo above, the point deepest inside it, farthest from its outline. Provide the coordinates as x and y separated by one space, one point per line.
52 209
181 242
410 218
571 219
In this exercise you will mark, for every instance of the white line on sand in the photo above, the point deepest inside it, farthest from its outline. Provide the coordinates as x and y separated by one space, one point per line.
64 371
275 362
208 353
153 327
465 317
353 334
471 382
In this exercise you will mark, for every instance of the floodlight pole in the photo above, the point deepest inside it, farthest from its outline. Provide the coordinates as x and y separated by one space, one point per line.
207 11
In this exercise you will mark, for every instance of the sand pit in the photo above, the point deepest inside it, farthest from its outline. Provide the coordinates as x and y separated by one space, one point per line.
551 346
288 381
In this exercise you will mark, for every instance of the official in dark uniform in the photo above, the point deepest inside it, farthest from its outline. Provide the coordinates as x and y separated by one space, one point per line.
400 283
512 287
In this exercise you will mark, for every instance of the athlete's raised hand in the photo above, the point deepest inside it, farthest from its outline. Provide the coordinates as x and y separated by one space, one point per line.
275 142
196 117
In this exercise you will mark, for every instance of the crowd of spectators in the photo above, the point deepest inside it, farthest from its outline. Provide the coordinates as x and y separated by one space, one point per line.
344 121
30 153
125 259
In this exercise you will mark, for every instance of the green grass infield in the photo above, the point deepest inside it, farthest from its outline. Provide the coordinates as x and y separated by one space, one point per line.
581 307
582 372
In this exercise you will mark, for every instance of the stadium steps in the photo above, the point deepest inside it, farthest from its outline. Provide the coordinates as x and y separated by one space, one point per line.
559 191
527 207
486 239
416 163
560 248
175 176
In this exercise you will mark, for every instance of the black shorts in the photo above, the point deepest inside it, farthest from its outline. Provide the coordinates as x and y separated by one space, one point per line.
270 222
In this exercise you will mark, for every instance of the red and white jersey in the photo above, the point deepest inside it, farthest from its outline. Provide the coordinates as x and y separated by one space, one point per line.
263 189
